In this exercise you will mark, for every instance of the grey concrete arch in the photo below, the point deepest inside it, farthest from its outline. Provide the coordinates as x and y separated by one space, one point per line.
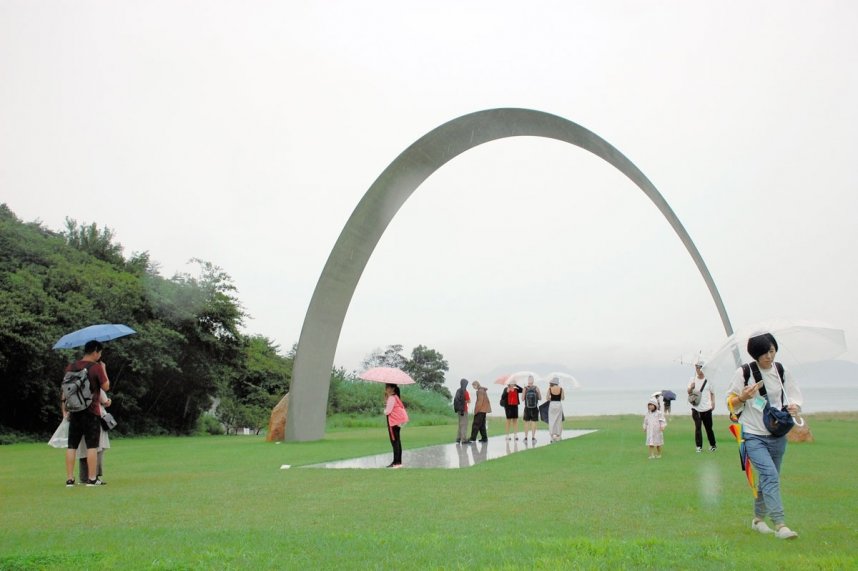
324 320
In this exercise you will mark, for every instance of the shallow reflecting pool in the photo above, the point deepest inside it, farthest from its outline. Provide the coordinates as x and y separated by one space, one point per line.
454 455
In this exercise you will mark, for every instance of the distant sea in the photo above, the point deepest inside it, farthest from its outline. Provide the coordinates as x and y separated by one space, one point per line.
597 402
827 386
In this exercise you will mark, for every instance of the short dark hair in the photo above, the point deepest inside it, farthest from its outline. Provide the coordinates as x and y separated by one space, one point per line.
759 345
92 347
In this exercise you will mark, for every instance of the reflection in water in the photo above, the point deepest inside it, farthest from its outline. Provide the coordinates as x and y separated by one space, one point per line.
462 452
453 455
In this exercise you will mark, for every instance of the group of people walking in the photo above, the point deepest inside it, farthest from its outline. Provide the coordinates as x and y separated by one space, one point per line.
701 397
750 401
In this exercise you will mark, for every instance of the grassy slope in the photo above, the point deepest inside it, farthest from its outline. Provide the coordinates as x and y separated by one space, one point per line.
592 502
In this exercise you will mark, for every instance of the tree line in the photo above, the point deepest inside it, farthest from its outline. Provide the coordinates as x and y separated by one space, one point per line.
189 355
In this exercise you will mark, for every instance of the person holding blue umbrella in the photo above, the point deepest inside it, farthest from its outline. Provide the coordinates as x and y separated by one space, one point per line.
101 332
86 424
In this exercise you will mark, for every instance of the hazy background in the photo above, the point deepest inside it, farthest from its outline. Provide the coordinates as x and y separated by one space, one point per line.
245 133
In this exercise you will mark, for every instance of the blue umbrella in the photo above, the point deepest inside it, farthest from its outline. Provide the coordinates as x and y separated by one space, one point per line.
102 332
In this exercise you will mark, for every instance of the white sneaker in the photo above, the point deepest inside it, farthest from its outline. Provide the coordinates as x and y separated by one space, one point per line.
761 527
784 532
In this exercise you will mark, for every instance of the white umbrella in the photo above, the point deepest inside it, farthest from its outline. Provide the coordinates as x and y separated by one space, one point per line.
799 342
565 379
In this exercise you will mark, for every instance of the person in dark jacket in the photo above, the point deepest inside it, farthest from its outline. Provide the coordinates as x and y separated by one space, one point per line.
460 406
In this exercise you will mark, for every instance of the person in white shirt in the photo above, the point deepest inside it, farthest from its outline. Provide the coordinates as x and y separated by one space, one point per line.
765 451
702 411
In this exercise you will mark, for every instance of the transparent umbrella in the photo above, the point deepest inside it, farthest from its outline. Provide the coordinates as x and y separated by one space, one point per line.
799 342
565 379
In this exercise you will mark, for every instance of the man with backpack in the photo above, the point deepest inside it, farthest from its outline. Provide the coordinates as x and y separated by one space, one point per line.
460 407
701 397
86 423
532 396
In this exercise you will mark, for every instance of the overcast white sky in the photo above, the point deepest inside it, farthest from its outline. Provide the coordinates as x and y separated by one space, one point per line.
245 133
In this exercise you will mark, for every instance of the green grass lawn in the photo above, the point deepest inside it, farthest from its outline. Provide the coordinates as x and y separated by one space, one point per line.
593 502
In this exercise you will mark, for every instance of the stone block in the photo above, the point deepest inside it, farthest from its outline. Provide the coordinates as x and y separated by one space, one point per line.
277 423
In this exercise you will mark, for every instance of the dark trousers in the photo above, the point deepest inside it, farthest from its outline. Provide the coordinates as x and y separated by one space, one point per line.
704 418
479 425
84 468
395 441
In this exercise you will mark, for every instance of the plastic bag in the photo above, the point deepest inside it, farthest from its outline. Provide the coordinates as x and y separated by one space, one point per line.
60 439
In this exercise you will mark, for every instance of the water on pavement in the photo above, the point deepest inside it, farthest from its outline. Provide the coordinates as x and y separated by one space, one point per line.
453 455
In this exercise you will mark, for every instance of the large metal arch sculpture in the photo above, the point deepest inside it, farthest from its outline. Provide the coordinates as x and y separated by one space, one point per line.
323 322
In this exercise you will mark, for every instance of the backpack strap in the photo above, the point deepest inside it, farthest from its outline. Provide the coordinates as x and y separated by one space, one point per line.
758 376
748 368
85 367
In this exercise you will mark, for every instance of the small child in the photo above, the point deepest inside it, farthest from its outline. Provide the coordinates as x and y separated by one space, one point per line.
653 425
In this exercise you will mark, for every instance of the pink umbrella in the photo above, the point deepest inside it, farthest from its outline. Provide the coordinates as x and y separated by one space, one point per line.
502 380
389 375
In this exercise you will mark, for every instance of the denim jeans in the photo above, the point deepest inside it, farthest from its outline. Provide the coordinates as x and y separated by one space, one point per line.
766 454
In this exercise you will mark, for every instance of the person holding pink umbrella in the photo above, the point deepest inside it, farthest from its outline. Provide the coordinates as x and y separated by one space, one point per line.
396 415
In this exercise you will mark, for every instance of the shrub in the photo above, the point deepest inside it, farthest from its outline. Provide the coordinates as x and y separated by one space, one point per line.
352 398
207 424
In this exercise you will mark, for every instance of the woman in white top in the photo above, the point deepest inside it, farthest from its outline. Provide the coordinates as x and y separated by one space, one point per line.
701 412
764 450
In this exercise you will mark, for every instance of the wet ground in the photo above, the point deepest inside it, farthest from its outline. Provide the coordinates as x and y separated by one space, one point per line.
454 455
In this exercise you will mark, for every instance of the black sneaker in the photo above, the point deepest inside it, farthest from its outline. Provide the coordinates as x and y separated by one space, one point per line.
96 482
70 483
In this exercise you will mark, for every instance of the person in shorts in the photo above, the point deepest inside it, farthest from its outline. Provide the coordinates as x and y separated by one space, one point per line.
86 424
510 399
531 412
